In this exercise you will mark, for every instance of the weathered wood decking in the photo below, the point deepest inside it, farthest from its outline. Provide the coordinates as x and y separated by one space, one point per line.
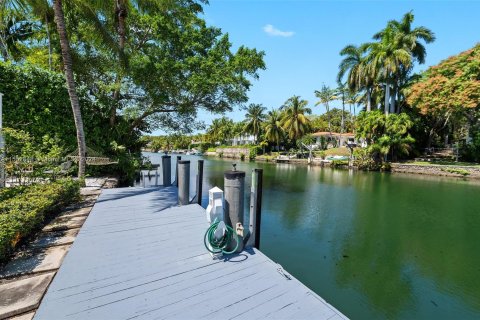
139 256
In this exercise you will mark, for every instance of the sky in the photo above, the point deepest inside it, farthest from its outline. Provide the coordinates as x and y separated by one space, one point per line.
302 39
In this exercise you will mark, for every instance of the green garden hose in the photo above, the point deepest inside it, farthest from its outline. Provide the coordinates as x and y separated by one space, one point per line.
219 245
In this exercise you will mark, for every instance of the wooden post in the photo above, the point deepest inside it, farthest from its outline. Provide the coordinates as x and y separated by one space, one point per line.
167 170
176 170
183 182
199 182
234 202
256 207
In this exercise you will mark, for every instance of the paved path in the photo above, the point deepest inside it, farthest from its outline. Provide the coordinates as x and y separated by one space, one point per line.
139 256
26 277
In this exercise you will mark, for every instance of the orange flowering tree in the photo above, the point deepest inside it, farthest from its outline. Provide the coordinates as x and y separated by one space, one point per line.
448 90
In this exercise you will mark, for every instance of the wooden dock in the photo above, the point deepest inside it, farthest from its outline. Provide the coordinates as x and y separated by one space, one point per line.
139 256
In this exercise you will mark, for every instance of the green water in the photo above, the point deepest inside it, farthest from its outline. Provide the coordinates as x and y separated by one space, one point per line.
373 245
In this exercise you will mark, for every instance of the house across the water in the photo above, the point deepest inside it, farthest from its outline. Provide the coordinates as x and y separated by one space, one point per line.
335 139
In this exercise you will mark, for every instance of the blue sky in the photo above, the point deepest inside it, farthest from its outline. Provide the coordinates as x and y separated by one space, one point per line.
302 39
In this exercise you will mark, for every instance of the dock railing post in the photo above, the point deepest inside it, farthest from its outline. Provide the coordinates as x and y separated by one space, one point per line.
183 182
234 182
255 208
176 170
167 170
199 182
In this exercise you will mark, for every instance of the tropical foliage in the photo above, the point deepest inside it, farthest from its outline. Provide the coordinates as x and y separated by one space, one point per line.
24 209
130 67
254 118
383 67
294 117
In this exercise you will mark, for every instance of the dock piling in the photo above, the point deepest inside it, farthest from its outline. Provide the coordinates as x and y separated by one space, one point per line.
199 182
234 184
256 207
183 182
167 170
176 170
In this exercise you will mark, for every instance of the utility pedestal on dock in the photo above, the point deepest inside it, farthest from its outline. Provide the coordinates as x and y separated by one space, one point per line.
167 171
183 182
234 182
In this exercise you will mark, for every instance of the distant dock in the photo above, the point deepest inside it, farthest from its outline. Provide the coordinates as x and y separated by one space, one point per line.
140 256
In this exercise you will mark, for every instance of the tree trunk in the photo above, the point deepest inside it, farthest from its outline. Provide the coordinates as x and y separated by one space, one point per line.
343 114
121 13
393 98
329 122
369 100
67 63
387 98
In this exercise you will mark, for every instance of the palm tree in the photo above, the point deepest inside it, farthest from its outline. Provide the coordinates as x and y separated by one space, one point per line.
398 48
343 91
354 65
221 130
15 27
273 128
386 59
294 120
254 118
72 92
326 94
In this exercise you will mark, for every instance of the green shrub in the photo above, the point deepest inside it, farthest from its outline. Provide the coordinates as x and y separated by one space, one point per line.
254 150
242 156
24 211
365 161
338 163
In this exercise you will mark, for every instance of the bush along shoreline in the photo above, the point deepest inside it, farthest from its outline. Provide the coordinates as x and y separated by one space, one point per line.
25 210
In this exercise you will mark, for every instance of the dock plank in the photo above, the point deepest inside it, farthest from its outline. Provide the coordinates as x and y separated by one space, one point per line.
140 256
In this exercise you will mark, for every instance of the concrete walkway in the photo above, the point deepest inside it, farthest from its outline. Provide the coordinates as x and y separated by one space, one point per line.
25 279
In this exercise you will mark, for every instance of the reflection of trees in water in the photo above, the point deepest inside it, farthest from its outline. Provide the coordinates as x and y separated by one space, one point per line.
399 226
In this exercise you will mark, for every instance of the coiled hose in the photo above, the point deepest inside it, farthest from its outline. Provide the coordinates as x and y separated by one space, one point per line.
219 245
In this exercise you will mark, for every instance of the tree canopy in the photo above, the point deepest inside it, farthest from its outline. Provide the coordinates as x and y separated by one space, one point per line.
452 85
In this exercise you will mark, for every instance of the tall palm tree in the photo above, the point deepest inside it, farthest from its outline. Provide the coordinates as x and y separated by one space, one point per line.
342 90
294 120
326 95
399 39
42 9
254 118
273 128
386 59
354 66
72 92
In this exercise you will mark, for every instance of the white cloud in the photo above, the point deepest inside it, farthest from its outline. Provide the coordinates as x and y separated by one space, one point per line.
271 30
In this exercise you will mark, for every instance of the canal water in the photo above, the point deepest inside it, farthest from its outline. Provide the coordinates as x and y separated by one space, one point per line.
373 245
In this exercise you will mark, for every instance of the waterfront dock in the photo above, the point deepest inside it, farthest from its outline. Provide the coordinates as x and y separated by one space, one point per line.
140 256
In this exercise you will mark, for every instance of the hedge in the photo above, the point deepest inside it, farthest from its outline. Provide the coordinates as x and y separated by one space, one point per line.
24 210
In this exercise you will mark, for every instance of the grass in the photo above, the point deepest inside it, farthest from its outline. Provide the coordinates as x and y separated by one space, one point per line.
334 152
457 171
445 163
